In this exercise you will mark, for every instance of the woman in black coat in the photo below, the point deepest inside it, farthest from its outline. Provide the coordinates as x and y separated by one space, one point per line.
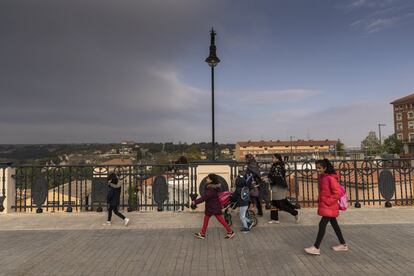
279 187
213 207
253 179
113 198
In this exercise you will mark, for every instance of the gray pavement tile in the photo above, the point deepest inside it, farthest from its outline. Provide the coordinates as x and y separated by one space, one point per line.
374 250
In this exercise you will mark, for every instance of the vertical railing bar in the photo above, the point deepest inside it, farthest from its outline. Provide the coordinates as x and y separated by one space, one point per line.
357 203
410 181
31 188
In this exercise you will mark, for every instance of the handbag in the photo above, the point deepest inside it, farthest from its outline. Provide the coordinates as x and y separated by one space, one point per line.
254 191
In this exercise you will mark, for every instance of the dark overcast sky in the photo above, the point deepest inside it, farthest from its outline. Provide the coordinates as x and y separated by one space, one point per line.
104 71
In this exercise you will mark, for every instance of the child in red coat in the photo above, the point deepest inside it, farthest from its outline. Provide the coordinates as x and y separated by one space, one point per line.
213 207
328 206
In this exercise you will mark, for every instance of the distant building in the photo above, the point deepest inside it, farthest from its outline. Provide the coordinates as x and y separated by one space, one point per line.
127 147
226 151
128 142
404 121
265 149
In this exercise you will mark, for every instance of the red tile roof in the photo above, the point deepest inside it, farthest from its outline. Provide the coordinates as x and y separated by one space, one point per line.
287 143
406 99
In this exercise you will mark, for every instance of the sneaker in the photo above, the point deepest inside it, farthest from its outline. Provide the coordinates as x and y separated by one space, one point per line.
340 247
313 250
230 235
108 223
272 221
298 218
245 230
126 221
199 236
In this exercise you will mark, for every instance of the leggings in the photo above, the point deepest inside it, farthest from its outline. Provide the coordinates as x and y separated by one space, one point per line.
286 206
256 201
322 228
115 209
220 219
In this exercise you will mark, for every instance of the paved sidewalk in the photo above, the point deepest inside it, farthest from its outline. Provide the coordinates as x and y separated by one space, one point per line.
77 245
162 220
374 250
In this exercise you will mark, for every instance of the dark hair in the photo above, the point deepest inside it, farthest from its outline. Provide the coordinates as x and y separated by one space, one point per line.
214 178
113 178
250 158
327 165
278 157
182 160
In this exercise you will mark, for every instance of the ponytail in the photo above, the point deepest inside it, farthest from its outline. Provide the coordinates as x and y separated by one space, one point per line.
327 165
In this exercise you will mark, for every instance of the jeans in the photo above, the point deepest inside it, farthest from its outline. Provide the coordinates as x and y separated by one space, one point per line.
243 219
322 228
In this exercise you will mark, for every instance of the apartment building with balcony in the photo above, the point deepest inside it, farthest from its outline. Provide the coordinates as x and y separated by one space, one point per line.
293 149
404 121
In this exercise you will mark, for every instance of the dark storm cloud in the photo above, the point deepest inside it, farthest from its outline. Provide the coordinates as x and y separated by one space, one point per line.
96 63
102 71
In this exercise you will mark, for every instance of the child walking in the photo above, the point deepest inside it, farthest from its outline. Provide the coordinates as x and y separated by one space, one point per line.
241 194
113 196
328 206
213 207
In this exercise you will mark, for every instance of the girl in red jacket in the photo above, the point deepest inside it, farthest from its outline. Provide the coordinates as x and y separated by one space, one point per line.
213 207
328 206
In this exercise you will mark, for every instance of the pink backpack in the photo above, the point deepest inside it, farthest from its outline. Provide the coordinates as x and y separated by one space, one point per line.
224 198
343 200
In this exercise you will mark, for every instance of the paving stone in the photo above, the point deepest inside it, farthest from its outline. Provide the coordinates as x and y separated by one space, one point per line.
374 250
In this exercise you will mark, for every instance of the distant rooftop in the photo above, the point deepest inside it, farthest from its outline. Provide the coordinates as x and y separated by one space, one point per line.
403 100
288 143
118 161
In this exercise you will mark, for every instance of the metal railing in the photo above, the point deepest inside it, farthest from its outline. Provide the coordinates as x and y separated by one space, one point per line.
170 187
84 188
3 167
367 182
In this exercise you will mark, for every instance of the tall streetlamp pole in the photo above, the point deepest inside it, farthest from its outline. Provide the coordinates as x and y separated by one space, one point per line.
212 61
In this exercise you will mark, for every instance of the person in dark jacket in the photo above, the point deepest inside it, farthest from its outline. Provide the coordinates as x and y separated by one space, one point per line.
113 196
253 178
328 206
212 206
277 178
241 194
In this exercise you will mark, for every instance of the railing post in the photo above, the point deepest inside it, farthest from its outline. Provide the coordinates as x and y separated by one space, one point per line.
69 208
357 204
8 184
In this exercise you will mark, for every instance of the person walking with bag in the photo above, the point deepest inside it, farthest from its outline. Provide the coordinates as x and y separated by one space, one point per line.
253 179
212 208
113 198
328 206
279 187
